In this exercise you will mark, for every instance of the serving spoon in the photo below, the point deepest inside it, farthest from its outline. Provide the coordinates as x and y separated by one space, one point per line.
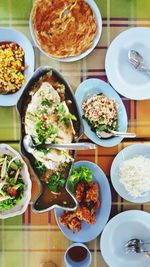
105 135
137 61
29 145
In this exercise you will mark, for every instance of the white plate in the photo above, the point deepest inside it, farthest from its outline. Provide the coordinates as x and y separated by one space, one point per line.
128 153
126 80
11 35
96 11
23 204
119 230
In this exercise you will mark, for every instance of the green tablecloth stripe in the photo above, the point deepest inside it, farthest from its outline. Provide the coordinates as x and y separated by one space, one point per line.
9 124
11 259
12 221
15 9
20 10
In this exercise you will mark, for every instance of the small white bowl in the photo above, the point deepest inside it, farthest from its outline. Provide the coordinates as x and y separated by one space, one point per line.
98 17
22 205
11 35
128 153
87 261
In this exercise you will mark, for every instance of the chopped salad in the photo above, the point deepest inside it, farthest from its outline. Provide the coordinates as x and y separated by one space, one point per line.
101 113
11 182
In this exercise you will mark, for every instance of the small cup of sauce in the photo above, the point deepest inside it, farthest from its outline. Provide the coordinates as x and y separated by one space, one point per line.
77 255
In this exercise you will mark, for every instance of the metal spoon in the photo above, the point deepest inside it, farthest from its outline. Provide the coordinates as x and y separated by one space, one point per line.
137 61
105 135
29 145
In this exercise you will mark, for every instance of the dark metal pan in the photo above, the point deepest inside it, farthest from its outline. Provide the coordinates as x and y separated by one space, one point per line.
46 200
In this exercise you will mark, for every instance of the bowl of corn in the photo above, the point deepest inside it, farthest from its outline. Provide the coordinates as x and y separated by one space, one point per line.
16 65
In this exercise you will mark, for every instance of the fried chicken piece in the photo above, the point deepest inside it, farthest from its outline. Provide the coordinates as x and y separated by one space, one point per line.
80 192
93 217
66 217
97 204
70 220
90 205
83 213
92 193
74 224
87 194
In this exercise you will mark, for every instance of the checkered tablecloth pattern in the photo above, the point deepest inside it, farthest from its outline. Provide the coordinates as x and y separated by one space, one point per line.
31 239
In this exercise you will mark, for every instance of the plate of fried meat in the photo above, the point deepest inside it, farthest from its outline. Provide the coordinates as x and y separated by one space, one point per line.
91 189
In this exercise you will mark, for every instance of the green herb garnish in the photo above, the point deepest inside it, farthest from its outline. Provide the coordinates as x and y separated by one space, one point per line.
83 174
12 185
19 163
47 102
40 167
44 131
107 128
56 182
65 116
11 202
45 151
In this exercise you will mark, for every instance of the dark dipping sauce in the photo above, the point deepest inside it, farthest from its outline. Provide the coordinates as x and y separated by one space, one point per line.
77 254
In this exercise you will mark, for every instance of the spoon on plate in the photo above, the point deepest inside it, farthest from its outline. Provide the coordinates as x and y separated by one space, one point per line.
29 145
137 61
111 133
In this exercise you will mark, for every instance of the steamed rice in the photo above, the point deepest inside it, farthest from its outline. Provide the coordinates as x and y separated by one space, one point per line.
135 176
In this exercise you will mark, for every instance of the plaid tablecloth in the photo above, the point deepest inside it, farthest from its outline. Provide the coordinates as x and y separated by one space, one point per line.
31 239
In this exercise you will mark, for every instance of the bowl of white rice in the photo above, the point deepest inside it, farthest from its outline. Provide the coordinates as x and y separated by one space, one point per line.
130 173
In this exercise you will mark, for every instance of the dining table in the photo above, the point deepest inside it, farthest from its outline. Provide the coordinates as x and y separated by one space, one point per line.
34 239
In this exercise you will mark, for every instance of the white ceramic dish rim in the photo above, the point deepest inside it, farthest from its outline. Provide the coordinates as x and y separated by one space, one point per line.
114 81
23 204
113 169
112 222
98 17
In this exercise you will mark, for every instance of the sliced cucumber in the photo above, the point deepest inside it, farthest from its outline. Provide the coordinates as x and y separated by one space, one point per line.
14 166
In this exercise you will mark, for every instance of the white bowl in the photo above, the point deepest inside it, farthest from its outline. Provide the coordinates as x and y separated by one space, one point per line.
22 205
128 153
120 229
85 263
11 35
96 11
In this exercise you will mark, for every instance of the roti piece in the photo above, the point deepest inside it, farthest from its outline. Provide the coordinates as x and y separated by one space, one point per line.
63 28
